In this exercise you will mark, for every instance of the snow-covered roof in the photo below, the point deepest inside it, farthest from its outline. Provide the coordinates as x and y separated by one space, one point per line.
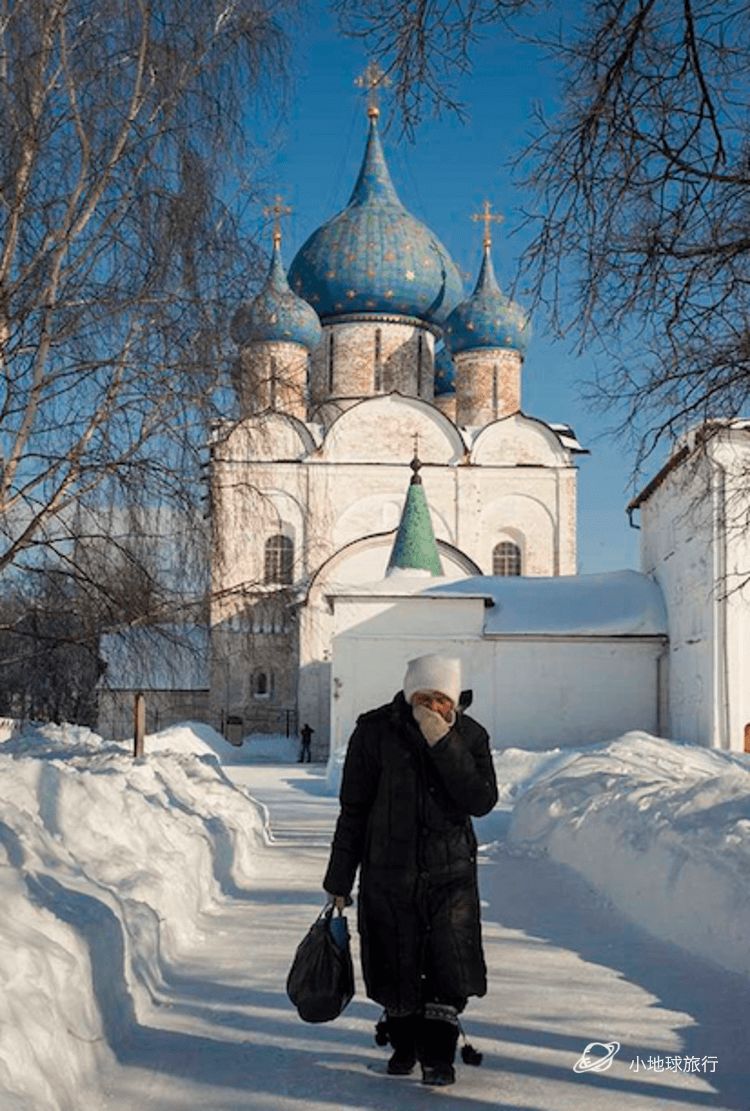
615 603
567 436
173 657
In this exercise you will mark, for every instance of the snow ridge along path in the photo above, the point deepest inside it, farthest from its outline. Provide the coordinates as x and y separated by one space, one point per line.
149 912
566 969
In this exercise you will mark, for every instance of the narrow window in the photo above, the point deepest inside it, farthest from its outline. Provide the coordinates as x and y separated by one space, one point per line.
261 684
279 560
420 345
378 375
330 361
506 558
494 390
273 382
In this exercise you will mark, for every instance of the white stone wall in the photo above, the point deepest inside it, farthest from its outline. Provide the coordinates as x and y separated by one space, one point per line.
363 358
677 549
730 454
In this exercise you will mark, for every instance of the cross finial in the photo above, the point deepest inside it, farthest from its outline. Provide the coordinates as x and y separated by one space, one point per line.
487 217
374 80
277 210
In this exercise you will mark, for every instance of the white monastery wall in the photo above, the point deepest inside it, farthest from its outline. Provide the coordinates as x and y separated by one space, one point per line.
586 690
677 549
730 454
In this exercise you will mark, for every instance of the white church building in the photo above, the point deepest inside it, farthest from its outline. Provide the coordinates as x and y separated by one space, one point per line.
383 494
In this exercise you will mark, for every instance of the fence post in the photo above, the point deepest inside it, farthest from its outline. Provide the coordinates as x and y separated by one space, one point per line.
139 724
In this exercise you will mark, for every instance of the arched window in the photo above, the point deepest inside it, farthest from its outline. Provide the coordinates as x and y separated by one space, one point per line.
495 390
261 684
506 558
279 559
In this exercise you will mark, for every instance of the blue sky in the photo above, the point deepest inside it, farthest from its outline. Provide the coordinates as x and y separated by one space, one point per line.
443 177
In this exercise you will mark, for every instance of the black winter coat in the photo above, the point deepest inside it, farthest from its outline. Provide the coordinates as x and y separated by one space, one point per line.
404 819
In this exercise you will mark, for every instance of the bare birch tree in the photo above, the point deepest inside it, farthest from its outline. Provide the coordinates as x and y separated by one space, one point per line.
121 255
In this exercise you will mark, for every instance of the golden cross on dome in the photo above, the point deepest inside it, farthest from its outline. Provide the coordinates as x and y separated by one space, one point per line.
277 210
487 217
374 79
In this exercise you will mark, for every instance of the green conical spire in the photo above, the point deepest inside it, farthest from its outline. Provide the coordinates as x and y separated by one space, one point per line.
415 547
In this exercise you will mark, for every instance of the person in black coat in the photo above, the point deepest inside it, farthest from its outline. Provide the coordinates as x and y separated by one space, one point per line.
305 734
416 769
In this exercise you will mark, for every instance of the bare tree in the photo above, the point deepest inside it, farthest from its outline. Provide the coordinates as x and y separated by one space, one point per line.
121 255
641 227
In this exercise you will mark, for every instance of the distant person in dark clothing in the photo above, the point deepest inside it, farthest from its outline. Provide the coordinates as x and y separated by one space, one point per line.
416 770
305 733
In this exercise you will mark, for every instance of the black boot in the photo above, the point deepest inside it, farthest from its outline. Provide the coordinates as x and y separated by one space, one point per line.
436 1047
402 1034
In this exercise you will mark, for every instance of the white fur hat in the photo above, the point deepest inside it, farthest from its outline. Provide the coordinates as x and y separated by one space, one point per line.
433 673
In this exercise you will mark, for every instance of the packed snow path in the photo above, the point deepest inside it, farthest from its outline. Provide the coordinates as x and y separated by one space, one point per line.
565 970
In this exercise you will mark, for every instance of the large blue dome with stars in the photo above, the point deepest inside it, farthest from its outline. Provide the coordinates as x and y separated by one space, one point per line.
276 314
375 257
488 318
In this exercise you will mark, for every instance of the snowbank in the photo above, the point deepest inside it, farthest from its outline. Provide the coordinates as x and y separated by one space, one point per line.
108 867
199 739
662 828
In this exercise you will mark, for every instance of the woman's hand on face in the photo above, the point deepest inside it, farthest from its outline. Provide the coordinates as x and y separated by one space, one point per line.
437 702
432 724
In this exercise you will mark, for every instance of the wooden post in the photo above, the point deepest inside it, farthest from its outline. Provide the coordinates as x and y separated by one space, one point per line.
139 724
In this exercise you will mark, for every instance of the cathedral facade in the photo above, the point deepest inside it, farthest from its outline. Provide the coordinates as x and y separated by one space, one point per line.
367 352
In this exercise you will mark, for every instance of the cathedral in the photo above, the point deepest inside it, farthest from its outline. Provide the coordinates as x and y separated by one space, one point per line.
366 353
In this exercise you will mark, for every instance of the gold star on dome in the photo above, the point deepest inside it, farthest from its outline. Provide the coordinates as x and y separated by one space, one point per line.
409 275
390 256
351 293
388 293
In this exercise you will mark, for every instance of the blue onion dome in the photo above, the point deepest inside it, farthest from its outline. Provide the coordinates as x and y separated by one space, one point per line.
277 313
488 318
375 257
445 372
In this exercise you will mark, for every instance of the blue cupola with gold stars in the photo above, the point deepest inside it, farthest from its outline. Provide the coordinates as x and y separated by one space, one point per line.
375 257
487 319
486 336
276 314
276 332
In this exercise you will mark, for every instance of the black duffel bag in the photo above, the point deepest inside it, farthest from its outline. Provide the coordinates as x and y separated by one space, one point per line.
321 980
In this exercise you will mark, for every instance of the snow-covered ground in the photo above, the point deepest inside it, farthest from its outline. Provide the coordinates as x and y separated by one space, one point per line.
149 913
